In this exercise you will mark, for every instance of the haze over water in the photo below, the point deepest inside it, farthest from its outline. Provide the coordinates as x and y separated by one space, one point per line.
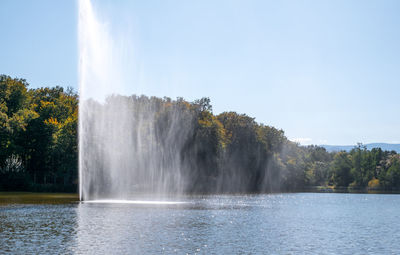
154 148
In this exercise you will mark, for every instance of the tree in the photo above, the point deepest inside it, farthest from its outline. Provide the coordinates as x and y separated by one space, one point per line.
341 167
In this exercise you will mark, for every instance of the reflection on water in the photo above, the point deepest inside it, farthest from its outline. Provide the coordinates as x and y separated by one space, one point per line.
280 224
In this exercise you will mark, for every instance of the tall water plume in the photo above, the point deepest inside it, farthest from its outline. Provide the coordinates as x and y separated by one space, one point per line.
128 145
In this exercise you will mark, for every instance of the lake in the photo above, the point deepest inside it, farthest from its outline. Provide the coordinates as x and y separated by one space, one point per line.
294 223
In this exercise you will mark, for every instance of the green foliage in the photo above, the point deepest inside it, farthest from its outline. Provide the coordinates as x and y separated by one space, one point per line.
38 126
229 152
341 167
392 177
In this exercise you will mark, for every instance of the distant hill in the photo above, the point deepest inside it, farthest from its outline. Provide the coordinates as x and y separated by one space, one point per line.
383 146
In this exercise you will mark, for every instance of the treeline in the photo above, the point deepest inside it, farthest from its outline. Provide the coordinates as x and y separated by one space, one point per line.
227 153
361 168
38 137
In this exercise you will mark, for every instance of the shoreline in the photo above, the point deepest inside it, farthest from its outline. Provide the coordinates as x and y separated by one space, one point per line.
24 197
16 197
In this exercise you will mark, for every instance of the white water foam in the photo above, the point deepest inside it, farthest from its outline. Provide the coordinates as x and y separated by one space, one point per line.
137 202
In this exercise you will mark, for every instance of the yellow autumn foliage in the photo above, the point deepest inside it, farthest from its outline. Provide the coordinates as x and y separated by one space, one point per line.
373 184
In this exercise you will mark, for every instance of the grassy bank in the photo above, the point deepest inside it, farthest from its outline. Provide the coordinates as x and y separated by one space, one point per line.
37 198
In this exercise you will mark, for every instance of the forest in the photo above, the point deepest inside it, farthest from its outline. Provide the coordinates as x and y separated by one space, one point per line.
228 152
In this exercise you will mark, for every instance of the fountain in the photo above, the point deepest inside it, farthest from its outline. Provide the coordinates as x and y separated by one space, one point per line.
127 148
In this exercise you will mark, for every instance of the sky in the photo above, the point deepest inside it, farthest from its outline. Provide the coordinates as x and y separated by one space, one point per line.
326 72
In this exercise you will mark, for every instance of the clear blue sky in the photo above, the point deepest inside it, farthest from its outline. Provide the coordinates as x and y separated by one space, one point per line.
326 72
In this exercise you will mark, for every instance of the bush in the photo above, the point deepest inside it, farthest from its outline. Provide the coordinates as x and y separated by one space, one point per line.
373 184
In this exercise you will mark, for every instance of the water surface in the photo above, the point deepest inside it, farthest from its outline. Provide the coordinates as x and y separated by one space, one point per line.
306 223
